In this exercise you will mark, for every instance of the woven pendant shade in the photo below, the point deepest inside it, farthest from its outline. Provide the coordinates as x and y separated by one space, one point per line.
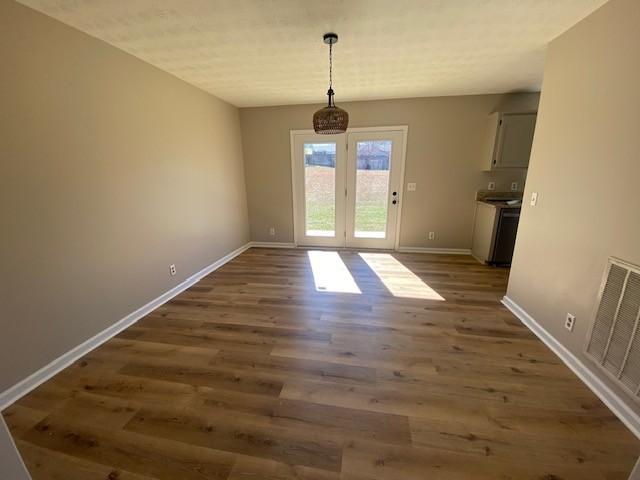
330 119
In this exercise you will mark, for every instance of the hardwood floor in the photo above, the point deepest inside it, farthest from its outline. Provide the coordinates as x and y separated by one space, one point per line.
253 373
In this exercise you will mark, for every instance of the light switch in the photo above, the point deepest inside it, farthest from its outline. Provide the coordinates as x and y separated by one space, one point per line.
411 187
534 199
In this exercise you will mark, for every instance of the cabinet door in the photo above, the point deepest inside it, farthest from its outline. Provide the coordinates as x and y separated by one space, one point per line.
484 226
514 140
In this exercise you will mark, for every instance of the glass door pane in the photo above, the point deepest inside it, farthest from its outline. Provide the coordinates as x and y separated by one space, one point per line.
318 169
320 189
373 164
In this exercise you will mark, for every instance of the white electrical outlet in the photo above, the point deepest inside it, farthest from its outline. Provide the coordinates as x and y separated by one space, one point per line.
172 270
570 322
411 187
491 186
514 186
272 231
432 235
534 199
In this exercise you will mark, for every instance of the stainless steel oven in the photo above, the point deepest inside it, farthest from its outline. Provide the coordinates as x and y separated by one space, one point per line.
505 236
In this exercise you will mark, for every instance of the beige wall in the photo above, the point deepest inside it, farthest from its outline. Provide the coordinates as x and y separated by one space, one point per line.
585 165
445 143
111 170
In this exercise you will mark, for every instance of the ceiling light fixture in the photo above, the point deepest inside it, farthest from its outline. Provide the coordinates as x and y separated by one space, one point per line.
330 119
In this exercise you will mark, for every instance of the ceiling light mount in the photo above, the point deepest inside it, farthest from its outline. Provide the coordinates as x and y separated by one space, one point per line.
330 119
330 38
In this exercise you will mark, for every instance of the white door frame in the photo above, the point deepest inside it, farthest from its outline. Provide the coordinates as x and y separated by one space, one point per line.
298 172
403 157
352 240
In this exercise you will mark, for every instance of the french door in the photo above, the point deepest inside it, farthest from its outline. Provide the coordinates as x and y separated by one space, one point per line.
347 187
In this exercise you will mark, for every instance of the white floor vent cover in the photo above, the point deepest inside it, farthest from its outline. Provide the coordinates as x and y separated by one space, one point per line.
614 340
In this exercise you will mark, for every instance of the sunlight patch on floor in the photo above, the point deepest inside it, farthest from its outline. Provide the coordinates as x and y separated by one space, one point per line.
330 274
398 279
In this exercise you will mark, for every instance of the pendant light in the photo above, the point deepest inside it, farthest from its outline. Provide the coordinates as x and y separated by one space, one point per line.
330 119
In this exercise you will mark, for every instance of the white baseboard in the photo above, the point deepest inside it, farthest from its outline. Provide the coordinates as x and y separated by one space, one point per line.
479 260
616 404
20 389
447 251
273 244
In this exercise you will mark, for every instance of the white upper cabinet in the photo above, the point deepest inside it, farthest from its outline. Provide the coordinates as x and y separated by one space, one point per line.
509 140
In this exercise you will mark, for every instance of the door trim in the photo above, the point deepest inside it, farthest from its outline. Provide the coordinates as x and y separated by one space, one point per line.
403 158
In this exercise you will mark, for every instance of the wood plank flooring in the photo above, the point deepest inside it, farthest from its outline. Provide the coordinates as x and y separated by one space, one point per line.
253 374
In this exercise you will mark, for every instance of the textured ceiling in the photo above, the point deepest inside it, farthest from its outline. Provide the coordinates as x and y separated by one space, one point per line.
270 52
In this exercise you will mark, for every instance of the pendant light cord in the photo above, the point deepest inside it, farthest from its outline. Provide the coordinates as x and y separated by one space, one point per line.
330 92
330 65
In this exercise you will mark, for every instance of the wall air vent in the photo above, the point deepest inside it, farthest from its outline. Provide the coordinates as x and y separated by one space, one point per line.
614 340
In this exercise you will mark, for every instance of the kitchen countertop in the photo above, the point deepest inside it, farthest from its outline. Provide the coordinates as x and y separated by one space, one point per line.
500 203
498 199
